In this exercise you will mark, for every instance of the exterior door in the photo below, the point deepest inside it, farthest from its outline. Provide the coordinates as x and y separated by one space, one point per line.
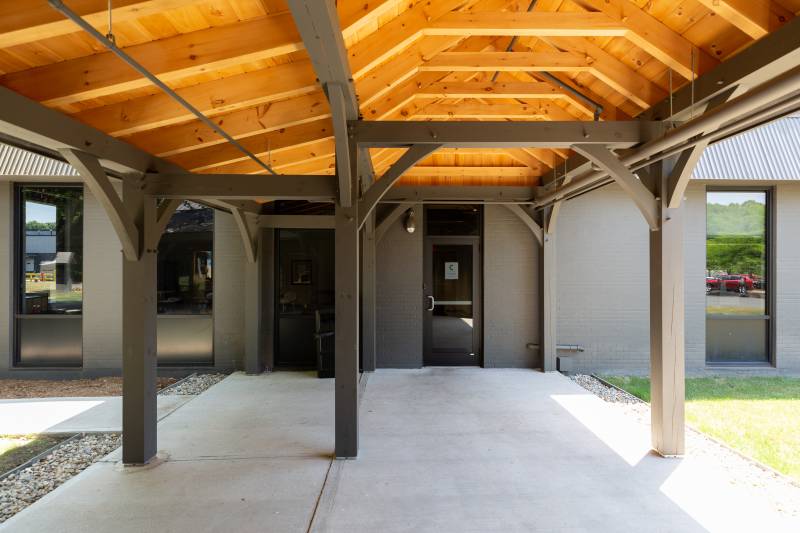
452 301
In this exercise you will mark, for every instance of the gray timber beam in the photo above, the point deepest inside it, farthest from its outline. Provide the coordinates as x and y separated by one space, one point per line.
383 226
414 195
346 343
139 334
247 224
297 221
248 206
163 216
765 59
94 176
667 359
368 301
526 216
378 190
318 24
627 180
338 107
467 134
318 188
32 123
687 160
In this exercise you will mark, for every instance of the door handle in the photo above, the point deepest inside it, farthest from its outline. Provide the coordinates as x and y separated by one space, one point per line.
433 303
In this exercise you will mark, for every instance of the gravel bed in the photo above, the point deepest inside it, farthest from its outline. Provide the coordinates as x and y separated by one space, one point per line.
23 488
67 388
781 491
193 385
20 490
609 394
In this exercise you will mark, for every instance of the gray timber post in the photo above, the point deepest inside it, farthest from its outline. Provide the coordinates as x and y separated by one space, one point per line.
256 324
667 367
549 302
139 334
368 317
346 332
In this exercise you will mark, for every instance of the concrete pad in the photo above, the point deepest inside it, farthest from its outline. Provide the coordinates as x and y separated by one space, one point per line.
514 450
72 415
441 450
249 454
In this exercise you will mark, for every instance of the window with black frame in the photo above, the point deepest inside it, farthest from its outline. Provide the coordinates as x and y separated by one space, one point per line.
185 262
737 276
50 275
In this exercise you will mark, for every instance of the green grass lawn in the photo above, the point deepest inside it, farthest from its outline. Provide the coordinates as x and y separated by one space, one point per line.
758 416
16 449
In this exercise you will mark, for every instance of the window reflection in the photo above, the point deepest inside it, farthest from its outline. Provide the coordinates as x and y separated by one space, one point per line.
52 245
736 276
735 253
185 262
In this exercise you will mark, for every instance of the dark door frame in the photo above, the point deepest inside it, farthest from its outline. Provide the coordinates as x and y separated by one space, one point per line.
428 358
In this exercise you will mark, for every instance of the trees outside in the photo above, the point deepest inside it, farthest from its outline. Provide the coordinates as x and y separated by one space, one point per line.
736 240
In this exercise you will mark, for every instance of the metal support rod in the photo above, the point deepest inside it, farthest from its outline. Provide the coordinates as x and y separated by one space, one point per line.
598 108
59 6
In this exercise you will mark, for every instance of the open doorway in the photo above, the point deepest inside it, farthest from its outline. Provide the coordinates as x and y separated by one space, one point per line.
305 281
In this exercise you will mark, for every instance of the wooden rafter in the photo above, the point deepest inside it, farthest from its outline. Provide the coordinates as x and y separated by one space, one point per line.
754 17
506 61
170 59
477 89
28 21
654 37
531 24
536 109
413 60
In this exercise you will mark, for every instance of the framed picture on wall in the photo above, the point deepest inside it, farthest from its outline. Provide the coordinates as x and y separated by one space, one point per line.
301 272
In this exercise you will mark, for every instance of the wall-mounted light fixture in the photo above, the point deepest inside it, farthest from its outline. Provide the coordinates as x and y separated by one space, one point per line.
410 222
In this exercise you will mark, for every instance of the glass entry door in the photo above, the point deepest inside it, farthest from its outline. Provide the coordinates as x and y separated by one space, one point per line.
452 301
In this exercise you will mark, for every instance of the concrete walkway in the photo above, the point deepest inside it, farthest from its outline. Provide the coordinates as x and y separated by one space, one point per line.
441 450
72 415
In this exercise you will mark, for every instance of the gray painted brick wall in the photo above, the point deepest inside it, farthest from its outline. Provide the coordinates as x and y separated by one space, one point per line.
786 286
694 257
511 291
399 296
603 276
6 258
102 289
229 290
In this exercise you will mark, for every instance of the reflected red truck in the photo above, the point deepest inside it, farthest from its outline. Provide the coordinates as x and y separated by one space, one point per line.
733 283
